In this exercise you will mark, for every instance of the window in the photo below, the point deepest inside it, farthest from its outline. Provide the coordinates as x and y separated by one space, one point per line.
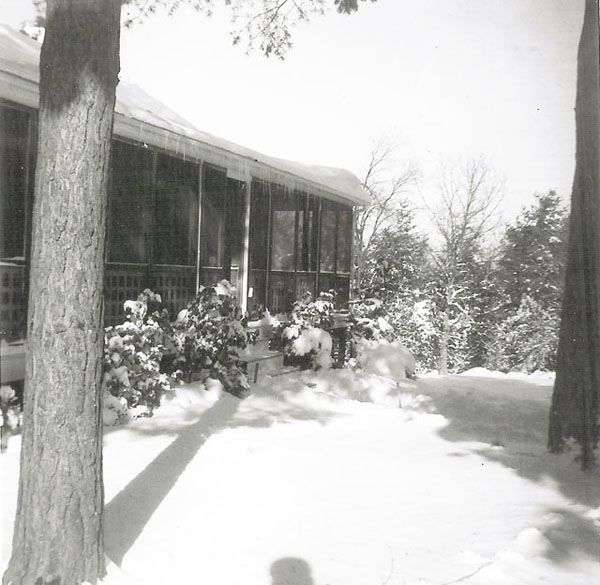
14 132
130 203
283 204
176 231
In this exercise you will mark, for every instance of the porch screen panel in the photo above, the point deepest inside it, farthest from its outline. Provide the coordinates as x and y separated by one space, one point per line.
214 187
344 240
130 204
176 232
329 213
14 126
259 225
283 204
16 161
234 225
259 245
308 211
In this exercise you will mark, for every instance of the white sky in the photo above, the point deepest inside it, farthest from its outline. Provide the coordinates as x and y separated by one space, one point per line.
441 78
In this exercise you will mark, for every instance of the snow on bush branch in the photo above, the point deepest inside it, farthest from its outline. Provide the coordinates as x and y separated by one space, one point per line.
208 334
146 356
133 381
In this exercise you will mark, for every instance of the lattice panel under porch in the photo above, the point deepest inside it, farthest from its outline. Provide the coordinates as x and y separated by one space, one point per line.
176 287
120 285
305 283
13 304
326 282
281 293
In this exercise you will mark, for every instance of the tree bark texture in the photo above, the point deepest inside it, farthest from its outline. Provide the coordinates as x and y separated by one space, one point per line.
58 530
575 401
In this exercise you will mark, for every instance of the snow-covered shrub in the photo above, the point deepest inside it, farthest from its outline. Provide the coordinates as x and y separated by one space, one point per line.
115 410
525 341
207 336
318 313
370 320
313 342
404 317
306 333
10 414
133 352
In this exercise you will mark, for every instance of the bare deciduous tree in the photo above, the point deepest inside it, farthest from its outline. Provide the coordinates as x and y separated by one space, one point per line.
386 191
467 212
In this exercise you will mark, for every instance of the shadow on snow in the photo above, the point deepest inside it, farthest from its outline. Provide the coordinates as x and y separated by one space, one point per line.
510 427
193 427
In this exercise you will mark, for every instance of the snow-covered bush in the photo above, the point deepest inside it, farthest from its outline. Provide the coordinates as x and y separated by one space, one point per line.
133 352
207 336
525 341
306 333
10 414
314 342
405 318
370 320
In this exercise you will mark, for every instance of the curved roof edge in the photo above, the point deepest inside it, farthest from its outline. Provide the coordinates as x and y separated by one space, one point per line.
140 117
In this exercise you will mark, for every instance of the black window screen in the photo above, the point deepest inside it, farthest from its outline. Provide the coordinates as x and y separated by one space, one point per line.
176 231
235 212
14 127
328 235
130 204
259 225
283 204
344 240
308 214
214 187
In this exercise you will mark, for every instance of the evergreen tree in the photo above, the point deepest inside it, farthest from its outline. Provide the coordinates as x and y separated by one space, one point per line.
526 340
396 256
530 275
532 260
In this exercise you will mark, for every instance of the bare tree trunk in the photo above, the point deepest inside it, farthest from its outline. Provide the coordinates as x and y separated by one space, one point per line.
58 529
445 338
575 402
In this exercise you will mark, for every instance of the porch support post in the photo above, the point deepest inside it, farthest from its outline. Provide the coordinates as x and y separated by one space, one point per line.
318 275
245 267
353 244
200 189
269 244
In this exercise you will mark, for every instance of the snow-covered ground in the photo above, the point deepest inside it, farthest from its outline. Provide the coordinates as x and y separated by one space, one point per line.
339 478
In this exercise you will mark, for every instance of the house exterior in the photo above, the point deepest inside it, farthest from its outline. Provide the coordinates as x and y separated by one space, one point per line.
185 208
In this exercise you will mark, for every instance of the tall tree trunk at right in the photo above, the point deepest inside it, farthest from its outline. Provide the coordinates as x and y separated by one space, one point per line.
575 402
58 534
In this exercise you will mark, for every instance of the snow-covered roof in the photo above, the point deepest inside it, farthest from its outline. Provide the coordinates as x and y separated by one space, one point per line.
140 117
